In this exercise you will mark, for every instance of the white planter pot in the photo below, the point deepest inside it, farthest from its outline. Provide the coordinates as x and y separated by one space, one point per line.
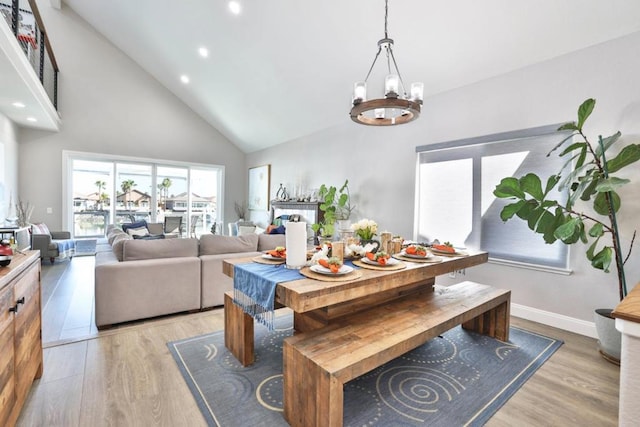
609 338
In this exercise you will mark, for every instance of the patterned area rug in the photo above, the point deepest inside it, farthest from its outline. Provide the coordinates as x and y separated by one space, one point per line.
460 379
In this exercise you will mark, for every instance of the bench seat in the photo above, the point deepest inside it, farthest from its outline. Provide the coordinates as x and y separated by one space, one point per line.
318 363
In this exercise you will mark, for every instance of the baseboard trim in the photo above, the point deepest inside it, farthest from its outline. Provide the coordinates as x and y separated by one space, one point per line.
555 320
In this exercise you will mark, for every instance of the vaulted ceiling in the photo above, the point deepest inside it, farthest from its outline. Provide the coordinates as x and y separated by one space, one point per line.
282 69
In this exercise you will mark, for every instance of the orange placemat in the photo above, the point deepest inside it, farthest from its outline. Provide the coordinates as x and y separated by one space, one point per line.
399 266
355 274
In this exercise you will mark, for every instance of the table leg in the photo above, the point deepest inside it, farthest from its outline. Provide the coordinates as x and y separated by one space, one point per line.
493 323
238 331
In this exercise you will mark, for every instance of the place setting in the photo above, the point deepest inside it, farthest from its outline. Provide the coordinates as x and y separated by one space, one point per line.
330 266
417 253
272 257
379 260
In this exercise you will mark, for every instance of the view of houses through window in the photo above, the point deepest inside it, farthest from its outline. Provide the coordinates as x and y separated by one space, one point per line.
110 191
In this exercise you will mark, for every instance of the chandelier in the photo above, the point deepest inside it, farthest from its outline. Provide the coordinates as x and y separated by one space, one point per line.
396 107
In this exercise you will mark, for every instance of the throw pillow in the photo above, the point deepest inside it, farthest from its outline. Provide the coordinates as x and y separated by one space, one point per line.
149 237
140 231
138 224
276 230
40 228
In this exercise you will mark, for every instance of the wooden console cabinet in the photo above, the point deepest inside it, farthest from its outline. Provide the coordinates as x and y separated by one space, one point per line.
20 333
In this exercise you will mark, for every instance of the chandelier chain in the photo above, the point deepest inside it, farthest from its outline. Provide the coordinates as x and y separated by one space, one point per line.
386 17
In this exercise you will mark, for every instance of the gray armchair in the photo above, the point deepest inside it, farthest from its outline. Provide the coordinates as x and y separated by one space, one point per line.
52 244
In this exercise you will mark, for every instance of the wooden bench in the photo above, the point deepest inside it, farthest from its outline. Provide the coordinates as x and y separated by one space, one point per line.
318 363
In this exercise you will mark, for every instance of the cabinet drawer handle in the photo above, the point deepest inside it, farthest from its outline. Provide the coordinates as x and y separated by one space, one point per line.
20 301
14 309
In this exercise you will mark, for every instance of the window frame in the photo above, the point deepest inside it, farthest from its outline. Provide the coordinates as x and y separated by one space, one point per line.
67 179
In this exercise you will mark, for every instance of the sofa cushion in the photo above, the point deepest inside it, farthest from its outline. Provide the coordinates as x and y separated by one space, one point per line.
267 242
113 233
118 244
163 248
40 228
214 244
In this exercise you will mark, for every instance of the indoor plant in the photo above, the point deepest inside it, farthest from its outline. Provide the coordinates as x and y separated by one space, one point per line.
336 206
588 176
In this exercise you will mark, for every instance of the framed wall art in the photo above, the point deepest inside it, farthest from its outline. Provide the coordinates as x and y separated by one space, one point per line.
259 184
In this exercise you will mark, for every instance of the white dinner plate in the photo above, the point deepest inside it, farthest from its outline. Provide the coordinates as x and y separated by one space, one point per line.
345 269
271 257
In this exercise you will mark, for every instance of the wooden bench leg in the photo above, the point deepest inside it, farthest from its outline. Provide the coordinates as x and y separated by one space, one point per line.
312 397
238 331
493 323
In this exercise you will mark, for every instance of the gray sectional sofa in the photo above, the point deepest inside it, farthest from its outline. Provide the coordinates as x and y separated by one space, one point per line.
139 279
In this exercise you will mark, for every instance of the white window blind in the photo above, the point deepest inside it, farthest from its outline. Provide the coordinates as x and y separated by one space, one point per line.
454 194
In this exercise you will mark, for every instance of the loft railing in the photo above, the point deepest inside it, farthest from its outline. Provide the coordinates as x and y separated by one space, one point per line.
26 24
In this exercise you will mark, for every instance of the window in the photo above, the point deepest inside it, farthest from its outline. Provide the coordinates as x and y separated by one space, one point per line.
103 190
455 201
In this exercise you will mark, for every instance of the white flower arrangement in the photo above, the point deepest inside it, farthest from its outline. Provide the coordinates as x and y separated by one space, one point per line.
365 228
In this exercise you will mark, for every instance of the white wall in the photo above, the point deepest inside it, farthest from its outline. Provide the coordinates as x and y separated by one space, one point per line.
380 162
8 168
110 105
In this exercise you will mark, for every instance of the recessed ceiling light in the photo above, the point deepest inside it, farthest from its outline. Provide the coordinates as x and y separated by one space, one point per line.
32 119
184 79
19 105
234 7
204 52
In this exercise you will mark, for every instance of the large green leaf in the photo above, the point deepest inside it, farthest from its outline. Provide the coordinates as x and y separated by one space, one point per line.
591 250
531 184
551 182
509 210
574 146
629 154
509 187
602 260
527 209
596 230
570 232
558 219
611 183
545 222
568 126
584 111
606 143
601 205
591 189
532 220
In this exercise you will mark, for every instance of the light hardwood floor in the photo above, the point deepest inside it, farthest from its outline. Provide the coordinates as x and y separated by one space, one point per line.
127 377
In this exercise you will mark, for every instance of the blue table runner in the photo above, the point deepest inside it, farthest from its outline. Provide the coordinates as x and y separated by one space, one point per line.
254 288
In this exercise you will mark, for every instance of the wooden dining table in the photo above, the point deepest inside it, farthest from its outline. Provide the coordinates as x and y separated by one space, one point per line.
317 303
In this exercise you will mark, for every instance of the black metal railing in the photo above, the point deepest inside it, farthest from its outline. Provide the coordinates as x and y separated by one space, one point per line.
26 24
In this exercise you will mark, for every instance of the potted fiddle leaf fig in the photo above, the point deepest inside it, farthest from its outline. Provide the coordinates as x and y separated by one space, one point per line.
587 176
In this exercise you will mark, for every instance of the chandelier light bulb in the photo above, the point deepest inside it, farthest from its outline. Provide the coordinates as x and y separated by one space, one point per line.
379 113
417 91
391 85
359 92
